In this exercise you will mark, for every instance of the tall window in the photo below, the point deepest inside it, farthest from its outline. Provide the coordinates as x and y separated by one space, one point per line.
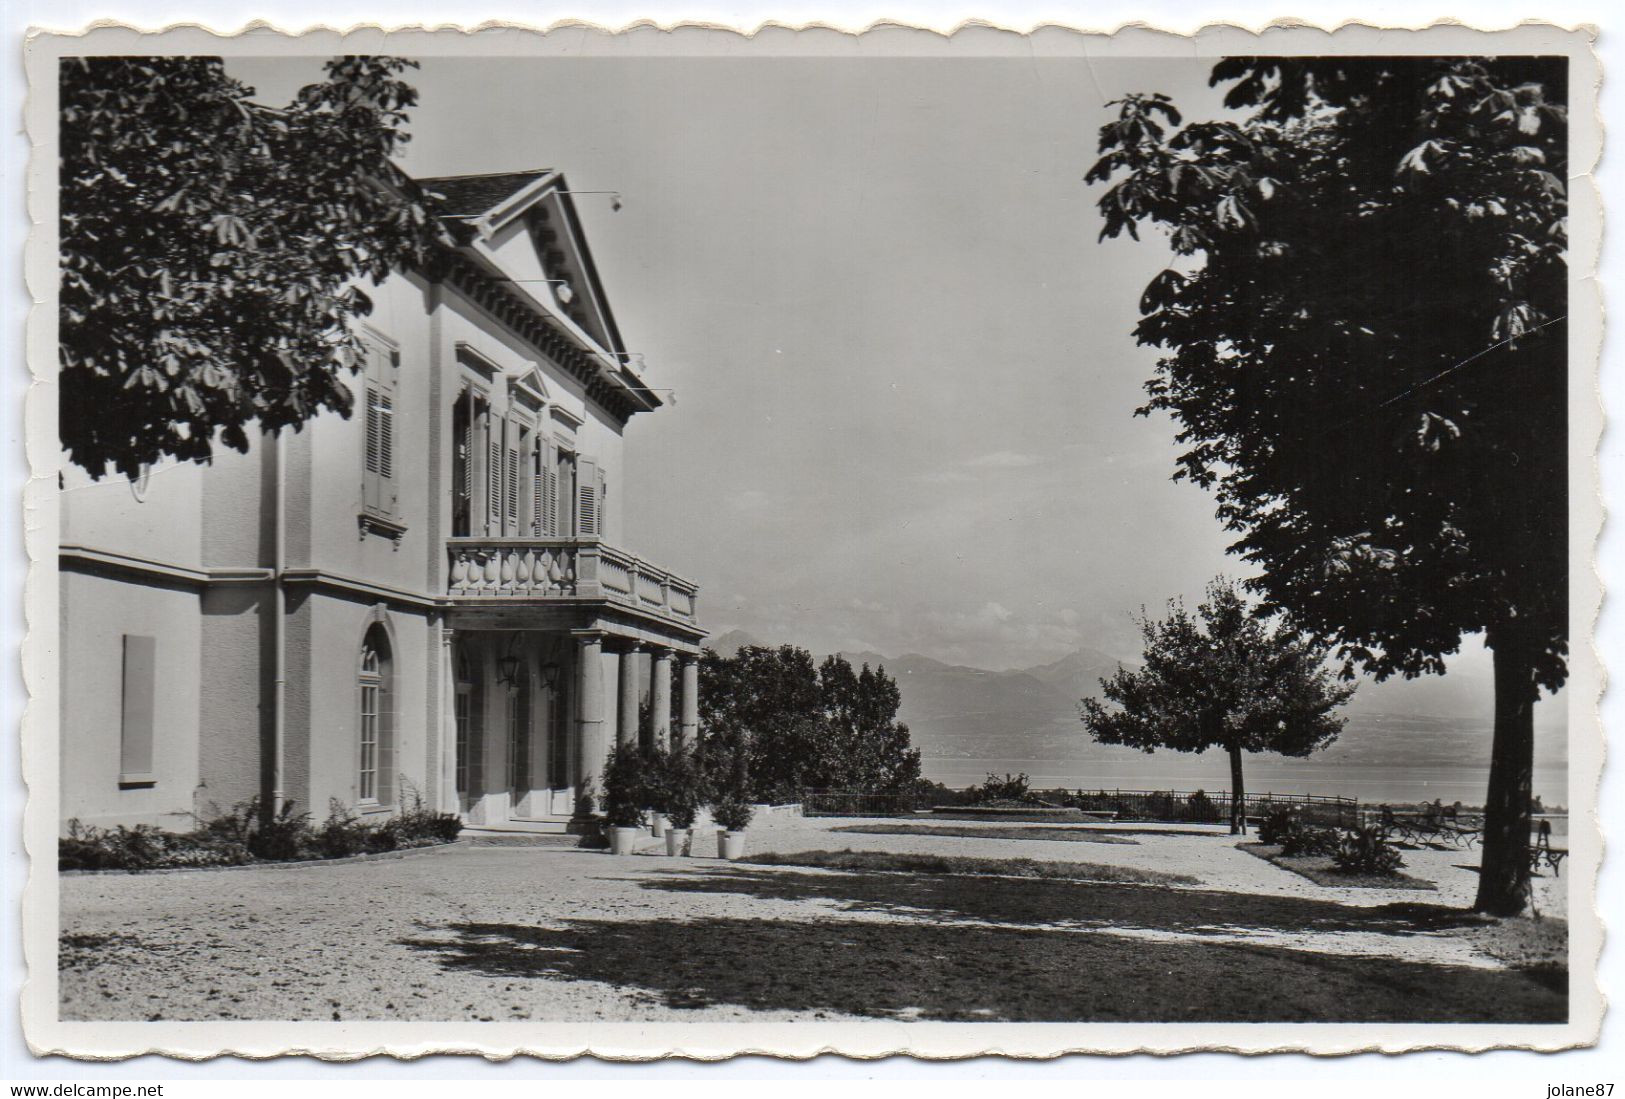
558 738
372 686
375 763
465 721
462 466
519 737
468 748
379 494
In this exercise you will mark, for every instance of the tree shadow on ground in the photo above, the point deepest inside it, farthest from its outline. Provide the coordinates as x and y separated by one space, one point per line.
1037 901
918 970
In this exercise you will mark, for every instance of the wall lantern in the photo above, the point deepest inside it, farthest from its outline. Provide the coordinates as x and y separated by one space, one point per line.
508 668
550 676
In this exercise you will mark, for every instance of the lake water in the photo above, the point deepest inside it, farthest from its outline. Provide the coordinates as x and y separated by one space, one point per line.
1369 781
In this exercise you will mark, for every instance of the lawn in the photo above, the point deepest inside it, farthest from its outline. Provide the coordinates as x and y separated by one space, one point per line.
1322 870
989 832
966 865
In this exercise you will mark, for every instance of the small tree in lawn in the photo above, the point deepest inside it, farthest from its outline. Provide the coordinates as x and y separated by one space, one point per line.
1221 679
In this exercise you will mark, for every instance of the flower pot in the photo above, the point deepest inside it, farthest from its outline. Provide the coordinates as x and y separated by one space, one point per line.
730 845
657 824
623 841
676 841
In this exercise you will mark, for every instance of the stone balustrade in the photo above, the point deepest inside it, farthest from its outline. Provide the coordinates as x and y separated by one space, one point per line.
564 568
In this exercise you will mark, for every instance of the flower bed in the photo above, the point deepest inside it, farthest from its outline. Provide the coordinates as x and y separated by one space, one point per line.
245 836
1016 812
1321 870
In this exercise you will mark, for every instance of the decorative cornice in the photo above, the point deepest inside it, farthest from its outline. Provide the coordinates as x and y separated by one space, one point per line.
88 557
332 581
538 329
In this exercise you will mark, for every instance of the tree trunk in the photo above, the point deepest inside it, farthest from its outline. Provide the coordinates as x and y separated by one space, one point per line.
1238 796
1503 881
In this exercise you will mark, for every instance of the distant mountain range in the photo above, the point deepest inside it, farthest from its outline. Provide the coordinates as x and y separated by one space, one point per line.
967 714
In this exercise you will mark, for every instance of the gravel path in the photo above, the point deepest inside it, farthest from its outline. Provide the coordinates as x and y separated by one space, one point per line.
544 933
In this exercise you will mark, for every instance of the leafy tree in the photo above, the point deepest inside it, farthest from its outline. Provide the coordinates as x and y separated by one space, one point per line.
1365 346
212 249
1221 679
790 724
872 745
761 710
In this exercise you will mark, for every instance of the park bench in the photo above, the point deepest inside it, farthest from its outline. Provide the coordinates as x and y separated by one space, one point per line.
1542 851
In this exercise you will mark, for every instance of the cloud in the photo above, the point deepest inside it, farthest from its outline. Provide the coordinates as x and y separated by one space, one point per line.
1003 459
750 499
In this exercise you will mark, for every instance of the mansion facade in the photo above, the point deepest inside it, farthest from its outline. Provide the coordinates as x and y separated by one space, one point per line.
425 600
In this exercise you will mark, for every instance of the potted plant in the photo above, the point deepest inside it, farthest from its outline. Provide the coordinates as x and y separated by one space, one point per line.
625 780
658 761
732 814
681 791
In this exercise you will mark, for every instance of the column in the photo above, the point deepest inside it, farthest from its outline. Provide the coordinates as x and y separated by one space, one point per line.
688 730
589 694
448 801
628 716
660 696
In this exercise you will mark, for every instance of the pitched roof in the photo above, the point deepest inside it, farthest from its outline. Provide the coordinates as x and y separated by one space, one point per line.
470 196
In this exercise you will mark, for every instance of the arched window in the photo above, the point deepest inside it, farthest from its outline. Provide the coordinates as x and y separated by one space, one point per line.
375 773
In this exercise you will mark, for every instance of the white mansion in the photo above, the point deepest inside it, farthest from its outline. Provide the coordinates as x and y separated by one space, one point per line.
428 596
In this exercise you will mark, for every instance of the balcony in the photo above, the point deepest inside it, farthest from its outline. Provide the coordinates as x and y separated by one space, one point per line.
565 570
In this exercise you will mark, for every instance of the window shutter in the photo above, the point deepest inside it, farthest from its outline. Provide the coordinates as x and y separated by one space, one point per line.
371 494
553 500
587 501
538 493
550 503
387 496
493 477
511 497
386 434
378 464
374 430
467 444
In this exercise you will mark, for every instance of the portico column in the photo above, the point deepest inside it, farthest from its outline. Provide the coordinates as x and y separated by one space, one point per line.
628 715
446 789
660 696
590 708
688 730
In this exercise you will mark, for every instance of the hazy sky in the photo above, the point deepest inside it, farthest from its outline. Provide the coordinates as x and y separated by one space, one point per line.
902 365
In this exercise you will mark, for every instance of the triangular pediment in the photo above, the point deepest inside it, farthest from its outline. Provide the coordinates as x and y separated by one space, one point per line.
529 224
530 388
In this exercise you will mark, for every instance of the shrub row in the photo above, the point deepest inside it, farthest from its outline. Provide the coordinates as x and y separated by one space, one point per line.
245 835
1355 851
